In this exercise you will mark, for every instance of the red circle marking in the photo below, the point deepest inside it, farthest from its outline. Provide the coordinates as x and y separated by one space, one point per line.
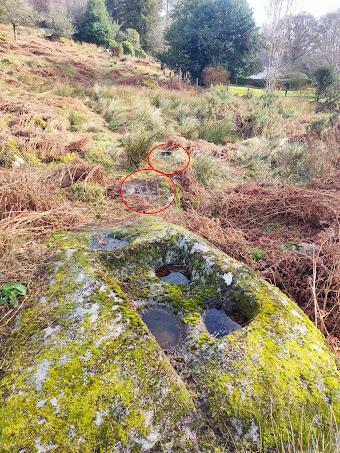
148 169
166 144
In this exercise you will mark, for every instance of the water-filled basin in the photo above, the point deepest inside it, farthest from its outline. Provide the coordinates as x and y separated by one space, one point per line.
164 328
108 243
175 274
218 323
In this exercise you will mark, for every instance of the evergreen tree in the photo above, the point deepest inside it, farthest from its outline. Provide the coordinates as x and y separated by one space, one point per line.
218 33
141 15
324 78
98 27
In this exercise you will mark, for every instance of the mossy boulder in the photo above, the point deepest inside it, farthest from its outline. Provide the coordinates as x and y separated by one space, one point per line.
84 374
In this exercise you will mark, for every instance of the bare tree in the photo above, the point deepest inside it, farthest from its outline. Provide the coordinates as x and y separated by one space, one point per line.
41 6
77 10
329 39
301 44
168 5
156 35
279 13
60 21
17 12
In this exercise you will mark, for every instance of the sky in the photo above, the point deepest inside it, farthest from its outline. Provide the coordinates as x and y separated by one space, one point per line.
315 7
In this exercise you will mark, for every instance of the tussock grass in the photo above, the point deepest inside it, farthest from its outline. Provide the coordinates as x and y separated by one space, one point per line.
189 126
77 120
292 161
320 437
86 191
209 171
137 145
165 101
220 132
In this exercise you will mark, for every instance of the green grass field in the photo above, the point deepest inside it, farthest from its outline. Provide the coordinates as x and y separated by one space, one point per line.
242 90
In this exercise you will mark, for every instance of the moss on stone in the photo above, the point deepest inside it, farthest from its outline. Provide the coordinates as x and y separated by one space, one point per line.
265 378
91 382
85 374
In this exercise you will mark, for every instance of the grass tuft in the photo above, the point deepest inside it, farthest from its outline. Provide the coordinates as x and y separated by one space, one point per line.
137 145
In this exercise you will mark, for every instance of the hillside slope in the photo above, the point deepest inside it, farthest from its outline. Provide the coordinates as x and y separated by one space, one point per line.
74 122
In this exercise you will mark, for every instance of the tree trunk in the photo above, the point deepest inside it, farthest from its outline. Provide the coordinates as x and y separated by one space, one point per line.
15 32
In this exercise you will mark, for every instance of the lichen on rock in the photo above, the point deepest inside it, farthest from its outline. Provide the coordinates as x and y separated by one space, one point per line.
86 375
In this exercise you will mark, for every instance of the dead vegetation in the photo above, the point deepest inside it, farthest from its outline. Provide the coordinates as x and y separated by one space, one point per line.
30 209
79 171
288 234
31 128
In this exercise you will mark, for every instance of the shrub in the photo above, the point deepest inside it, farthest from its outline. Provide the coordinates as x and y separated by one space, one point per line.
244 81
333 95
317 125
218 96
266 122
116 48
148 83
262 117
296 81
259 83
240 81
139 52
269 99
133 37
128 48
215 75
